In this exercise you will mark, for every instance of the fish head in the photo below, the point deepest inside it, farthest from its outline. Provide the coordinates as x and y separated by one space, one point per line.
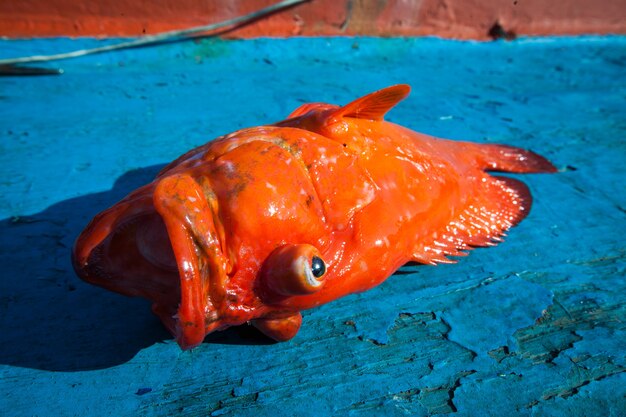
166 242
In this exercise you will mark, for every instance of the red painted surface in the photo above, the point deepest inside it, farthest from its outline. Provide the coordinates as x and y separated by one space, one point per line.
466 19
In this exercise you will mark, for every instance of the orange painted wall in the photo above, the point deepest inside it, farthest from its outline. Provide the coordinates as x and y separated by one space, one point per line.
465 19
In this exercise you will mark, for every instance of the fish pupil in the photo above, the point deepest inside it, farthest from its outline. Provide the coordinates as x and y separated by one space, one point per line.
318 267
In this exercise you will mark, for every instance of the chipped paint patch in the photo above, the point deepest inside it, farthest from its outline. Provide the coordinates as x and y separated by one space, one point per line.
486 317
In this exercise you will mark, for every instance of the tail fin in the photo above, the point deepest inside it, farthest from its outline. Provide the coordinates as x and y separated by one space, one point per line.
506 158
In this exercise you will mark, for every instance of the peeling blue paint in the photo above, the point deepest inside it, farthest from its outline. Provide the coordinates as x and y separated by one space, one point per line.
613 346
534 326
604 397
486 317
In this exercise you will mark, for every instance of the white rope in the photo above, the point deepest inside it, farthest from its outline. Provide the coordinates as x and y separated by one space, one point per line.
152 39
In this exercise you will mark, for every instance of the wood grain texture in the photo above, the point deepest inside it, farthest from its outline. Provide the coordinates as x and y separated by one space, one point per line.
534 326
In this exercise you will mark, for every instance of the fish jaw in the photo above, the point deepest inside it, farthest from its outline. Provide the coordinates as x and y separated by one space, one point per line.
190 213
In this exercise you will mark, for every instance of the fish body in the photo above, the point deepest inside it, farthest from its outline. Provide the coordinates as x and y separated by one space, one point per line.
268 221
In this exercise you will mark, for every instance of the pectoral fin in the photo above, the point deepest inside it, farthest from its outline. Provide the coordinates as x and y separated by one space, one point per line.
279 329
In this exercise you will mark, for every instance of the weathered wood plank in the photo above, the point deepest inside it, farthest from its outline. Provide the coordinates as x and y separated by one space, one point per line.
534 326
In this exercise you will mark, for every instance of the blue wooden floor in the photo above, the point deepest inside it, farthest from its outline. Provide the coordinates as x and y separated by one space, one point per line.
534 326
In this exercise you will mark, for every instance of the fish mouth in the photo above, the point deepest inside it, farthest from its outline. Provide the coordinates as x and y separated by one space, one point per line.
126 249
143 248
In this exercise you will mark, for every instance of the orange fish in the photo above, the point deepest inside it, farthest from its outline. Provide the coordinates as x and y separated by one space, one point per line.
265 222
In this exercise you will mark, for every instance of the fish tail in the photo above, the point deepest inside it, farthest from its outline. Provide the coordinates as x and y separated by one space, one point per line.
506 158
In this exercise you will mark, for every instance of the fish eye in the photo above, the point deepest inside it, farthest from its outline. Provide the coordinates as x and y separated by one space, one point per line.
318 267
293 269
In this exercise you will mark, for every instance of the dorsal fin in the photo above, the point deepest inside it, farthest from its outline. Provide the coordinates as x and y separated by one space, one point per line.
375 105
305 108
